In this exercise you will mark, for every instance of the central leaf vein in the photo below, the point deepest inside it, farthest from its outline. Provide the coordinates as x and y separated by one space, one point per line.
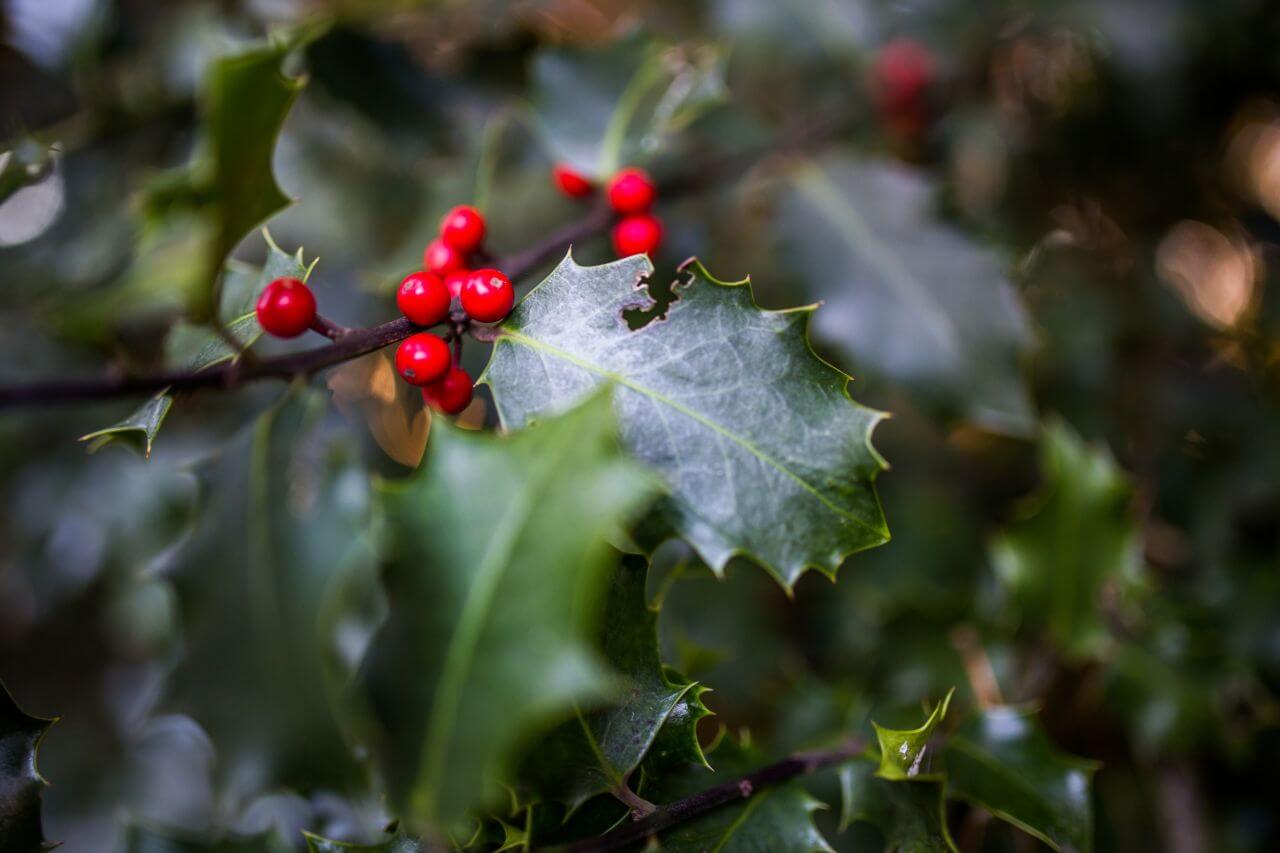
746 444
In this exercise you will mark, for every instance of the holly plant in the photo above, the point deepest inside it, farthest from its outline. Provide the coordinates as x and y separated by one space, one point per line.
681 431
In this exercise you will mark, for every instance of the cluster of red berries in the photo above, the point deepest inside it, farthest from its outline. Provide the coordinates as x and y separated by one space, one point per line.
449 290
287 308
426 298
631 194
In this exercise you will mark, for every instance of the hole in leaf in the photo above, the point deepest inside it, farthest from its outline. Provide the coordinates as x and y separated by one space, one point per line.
661 296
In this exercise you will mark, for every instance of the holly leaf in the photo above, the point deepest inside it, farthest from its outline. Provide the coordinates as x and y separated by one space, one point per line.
21 785
909 753
676 743
197 346
281 535
909 812
137 430
1002 760
905 296
1075 544
599 109
491 593
230 187
753 433
598 749
779 817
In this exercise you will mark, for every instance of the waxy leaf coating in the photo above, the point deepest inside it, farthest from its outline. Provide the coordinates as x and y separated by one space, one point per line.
761 447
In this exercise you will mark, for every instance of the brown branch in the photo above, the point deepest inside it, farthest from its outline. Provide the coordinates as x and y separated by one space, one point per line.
743 788
347 343
353 343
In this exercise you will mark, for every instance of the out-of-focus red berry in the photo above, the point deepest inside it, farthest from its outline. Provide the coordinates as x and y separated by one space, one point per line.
455 280
441 258
451 394
631 191
463 229
901 75
571 182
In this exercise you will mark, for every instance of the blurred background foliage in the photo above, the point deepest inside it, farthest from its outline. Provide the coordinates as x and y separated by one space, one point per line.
1058 272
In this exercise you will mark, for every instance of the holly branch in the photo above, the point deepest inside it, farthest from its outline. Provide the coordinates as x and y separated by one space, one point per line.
347 344
737 790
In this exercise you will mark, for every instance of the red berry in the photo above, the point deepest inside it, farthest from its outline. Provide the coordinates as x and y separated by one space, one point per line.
900 76
631 191
571 182
287 308
487 296
423 358
424 298
463 229
637 235
450 394
441 258
455 280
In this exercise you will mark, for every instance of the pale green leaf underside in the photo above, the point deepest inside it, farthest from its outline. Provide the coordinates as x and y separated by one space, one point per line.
907 297
597 110
762 449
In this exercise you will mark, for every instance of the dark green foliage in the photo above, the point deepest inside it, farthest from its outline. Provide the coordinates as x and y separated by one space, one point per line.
1059 280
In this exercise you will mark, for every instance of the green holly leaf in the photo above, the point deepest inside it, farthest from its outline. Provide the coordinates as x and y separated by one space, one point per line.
21 785
497 551
752 431
1076 542
909 812
137 430
398 843
906 297
281 539
676 743
1003 761
230 187
779 817
599 109
197 346
598 749
900 794
909 753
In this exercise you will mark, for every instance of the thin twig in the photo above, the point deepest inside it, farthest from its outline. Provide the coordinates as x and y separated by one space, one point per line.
681 811
331 330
